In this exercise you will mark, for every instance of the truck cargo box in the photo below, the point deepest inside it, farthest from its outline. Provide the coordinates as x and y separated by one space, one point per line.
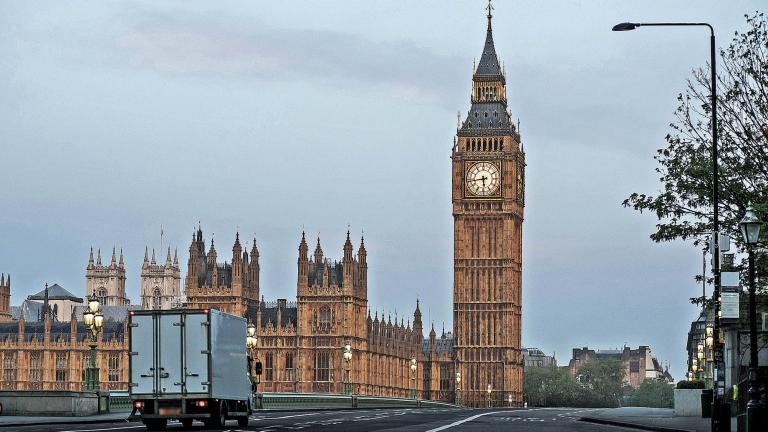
188 352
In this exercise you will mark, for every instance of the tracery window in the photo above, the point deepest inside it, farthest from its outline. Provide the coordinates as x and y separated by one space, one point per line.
114 367
322 365
35 370
9 367
268 366
156 301
62 366
289 366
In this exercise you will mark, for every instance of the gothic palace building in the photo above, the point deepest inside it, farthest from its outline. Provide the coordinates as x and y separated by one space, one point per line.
43 341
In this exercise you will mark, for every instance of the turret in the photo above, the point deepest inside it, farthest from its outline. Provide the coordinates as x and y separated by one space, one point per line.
168 258
113 262
90 259
417 328
98 257
153 262
237 267
318 252
362 269
121 264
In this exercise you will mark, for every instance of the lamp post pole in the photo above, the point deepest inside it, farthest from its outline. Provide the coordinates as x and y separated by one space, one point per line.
720 408
94 321
458 387
413 378
347 369
490 390
750 229
254 367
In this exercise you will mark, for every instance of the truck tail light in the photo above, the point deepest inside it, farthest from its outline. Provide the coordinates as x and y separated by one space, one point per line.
138 404
201 403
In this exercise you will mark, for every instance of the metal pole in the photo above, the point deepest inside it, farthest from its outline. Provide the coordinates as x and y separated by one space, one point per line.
753 406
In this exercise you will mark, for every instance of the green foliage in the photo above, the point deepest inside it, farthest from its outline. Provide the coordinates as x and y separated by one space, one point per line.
693 384
653 394
605 379
683 207
555 387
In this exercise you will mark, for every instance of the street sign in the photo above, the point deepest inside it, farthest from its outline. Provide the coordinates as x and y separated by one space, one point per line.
729 303
729 279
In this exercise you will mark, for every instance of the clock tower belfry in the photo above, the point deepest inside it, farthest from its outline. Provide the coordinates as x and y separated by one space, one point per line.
488 196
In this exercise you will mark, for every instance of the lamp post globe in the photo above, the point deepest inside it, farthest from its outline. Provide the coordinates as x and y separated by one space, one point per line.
750 229
93 303
251 329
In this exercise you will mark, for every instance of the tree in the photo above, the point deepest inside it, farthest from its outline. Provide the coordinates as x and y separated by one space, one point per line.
684 205
654 394
605 379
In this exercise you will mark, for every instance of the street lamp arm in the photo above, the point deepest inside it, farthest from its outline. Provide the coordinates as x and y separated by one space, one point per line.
631 26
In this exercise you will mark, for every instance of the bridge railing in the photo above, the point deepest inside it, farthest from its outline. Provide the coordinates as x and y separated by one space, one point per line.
304 401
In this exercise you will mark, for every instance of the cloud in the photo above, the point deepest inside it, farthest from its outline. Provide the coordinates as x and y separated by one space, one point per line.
211 47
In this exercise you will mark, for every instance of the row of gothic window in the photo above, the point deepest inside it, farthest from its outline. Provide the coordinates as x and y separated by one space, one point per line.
61 364
484 144
487 93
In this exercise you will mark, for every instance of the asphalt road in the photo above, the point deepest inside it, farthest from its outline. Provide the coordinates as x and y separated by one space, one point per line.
401 420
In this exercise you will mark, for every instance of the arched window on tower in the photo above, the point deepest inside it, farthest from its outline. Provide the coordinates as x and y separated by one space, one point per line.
156 300
102 296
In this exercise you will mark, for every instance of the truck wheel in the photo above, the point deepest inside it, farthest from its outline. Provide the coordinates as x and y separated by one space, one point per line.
156 424
222 419
186 423
242 421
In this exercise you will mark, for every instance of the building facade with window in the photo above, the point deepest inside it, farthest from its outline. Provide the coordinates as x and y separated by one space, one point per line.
160 283
51 355
638 363
106 282
300 344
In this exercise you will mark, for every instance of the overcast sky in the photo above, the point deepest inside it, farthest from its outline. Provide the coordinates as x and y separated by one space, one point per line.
119 117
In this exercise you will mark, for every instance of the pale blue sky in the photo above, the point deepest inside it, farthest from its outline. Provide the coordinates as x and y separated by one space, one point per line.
117 117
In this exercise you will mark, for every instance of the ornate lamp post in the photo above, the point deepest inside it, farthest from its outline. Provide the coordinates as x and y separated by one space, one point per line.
94 322
413 378
490 390
254 367
458 387
347 369
509 400
750 230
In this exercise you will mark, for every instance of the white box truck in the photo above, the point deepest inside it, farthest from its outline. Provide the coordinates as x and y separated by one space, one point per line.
187 365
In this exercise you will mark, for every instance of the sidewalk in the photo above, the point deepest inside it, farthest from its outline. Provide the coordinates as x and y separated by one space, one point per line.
655 419
9 421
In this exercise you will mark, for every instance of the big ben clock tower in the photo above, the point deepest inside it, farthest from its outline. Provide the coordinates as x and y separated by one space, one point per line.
488 198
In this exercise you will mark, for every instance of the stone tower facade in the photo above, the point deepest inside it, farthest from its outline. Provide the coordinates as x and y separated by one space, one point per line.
160 284
5 298
231 288
332 299
106 281
488 198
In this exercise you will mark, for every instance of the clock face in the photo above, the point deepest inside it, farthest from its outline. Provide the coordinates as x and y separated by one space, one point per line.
483 178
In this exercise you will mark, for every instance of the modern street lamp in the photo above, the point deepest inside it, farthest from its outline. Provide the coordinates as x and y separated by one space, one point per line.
413 378
490 390
254 367
94 322
347 371
458 387
750 230
720 408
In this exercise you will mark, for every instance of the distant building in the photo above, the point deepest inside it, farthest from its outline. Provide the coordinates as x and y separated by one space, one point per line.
39 353
160 284
638 363
106 282
61 302
534 357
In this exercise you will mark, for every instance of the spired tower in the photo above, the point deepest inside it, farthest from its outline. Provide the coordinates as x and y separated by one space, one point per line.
106 281
160 284
488 199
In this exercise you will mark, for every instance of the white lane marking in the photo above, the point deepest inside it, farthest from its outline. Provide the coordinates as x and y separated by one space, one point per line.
464 421
285 417
104 429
